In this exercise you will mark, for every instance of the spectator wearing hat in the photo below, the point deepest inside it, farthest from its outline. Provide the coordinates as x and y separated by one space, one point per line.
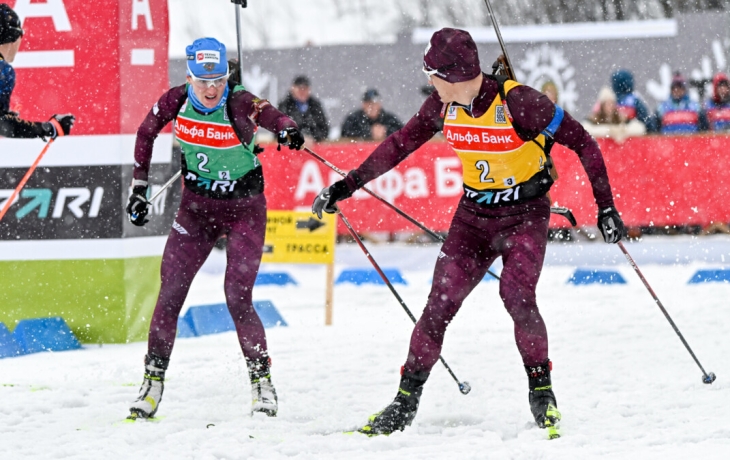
678 114
501 131
11 125
305 110
607 121
717 108
370 123
628 102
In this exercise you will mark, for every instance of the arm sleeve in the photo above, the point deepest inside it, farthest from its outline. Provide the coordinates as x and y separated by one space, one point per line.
247 107
532 112
396 147
162 113
13 126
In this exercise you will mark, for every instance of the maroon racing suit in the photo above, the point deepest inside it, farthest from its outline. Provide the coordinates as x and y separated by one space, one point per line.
479 234
203 218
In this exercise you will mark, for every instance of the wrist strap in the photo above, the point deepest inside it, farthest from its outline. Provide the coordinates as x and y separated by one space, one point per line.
57 126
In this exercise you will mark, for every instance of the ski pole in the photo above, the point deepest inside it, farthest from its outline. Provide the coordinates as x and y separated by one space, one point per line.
24 179
167 184
464 387
243 4
707 378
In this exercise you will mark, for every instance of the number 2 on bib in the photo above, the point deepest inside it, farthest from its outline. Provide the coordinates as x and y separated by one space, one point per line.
204 161
483 166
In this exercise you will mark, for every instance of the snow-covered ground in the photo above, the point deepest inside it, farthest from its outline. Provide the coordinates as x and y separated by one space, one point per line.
626 386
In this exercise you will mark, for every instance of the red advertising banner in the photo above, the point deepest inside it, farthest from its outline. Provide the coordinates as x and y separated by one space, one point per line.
104 61
656 181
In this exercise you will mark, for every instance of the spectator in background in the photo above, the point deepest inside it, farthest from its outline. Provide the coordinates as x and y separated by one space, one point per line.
550 90
630 105
608 121
305 110
718 107
11 125
679 115
371 122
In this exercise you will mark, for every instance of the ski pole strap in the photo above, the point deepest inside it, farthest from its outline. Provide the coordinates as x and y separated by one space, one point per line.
57 127
554 123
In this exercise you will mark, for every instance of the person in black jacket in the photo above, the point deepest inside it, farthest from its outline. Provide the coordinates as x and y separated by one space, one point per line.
305 110
371 122
11 125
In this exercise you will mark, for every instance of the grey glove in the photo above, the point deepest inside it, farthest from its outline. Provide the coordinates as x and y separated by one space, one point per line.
329 196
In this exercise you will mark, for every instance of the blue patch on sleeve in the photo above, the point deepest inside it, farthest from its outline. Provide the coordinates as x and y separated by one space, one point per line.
555 122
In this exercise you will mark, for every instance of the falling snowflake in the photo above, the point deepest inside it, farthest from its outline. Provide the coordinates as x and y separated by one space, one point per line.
548 63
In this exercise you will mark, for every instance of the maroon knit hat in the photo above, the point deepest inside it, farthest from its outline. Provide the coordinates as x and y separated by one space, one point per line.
678 80
453 54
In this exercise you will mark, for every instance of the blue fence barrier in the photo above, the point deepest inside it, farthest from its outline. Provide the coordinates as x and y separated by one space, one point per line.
721 275
359 276
277 279
215 318
583 276
184 328
44 334
8 346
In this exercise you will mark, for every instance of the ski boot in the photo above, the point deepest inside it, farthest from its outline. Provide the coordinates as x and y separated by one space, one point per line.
263 393
150 393
543 404
401 412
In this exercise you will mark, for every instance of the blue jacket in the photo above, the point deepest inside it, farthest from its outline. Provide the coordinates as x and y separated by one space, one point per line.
7 84
718 115
629 103
680 117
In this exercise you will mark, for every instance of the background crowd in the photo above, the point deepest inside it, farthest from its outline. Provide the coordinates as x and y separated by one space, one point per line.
619 112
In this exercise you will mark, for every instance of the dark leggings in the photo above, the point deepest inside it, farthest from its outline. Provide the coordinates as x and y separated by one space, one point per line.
519 235
199 223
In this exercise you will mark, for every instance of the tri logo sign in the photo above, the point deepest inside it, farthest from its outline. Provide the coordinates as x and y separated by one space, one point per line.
69 200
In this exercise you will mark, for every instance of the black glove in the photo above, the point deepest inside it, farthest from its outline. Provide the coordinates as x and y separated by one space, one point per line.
59 125
329 196
610 224
291 137
138 206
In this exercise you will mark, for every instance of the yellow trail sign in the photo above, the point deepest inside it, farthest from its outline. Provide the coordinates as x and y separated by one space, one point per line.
299 237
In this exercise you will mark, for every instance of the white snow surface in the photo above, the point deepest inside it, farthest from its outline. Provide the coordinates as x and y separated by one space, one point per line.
626 386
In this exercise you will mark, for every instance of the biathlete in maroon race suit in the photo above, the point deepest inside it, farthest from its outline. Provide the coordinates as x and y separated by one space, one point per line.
215 124
502 132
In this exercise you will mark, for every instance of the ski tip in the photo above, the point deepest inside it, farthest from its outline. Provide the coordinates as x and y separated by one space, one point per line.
552 421
135 416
